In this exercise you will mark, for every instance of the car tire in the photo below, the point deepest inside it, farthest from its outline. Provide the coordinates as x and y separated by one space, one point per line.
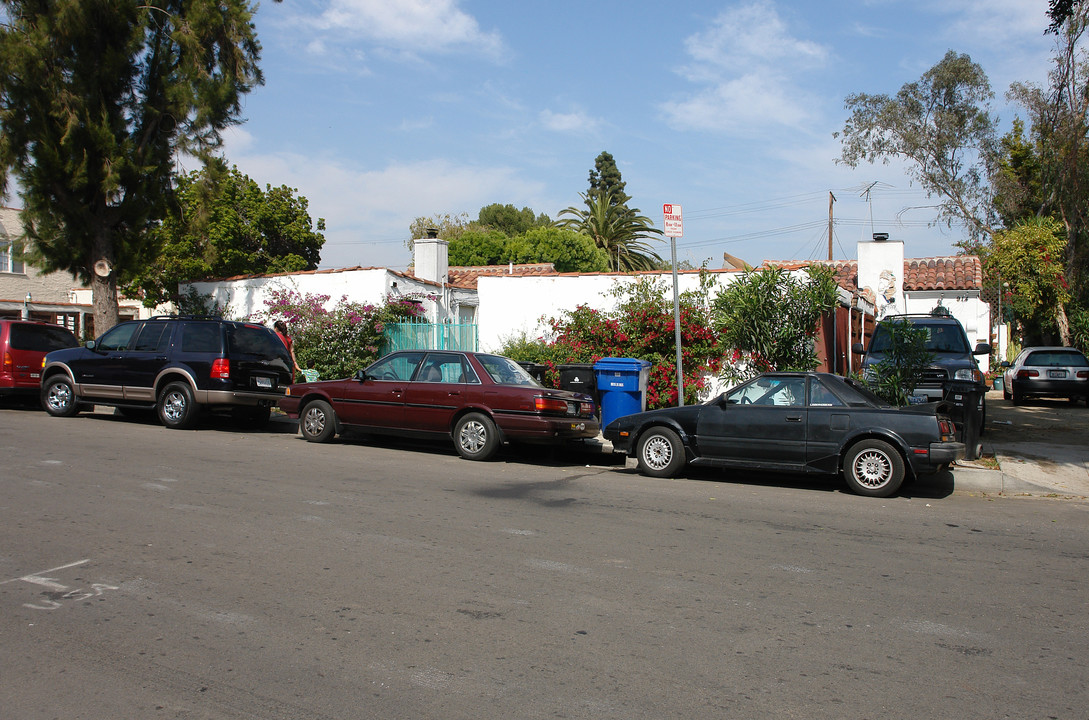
59 398
660 453
873 468
1005 393
318 422
476 437
176 407
1017 397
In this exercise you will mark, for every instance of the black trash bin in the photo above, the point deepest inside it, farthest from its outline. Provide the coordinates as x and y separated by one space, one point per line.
537 370
963 400
579 377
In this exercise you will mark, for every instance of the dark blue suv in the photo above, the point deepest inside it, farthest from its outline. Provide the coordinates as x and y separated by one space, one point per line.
175 365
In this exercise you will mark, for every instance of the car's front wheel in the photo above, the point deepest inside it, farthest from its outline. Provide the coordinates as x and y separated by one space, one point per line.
176 407
873 468
476 437
660 453
318 422
58 397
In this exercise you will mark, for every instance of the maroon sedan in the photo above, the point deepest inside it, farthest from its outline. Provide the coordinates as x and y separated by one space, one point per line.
478 400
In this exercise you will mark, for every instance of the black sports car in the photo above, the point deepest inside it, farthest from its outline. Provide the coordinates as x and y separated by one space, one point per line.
797 422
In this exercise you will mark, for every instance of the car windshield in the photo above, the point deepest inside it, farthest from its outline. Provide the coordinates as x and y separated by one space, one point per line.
1056 358
504 371
940 338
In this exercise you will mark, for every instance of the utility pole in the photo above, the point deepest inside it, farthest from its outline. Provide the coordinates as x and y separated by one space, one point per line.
831 199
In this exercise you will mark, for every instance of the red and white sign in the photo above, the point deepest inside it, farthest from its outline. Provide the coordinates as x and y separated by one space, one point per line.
674 226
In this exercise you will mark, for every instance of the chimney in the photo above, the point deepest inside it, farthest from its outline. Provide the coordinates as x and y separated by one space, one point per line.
432 261
881 269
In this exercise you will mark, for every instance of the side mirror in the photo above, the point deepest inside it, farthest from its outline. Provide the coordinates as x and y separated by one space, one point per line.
982 349
858 349
360 375
90 344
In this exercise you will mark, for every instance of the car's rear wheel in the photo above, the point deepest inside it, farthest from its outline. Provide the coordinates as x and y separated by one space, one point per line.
318 422
176 407
873 468
1005 393
660 453
58 397
476 437
1017 397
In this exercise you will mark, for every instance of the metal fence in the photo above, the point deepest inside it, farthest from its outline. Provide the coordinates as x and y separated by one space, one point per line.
430 336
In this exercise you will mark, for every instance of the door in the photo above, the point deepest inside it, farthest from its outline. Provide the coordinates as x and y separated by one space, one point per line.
378 400
147 356
101 371
762 423
444 384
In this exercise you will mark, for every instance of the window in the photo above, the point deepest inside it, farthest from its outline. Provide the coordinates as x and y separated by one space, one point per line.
820 396
201 338
10 261
446 368
117 338
155 337
769 391
396 367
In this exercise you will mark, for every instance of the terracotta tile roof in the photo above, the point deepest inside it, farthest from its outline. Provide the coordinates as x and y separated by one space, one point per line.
466 276
962 272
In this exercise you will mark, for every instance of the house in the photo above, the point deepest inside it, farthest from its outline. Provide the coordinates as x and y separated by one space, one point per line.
512 301
53 298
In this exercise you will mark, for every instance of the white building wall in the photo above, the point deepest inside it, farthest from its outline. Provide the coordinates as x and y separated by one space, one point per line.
512 305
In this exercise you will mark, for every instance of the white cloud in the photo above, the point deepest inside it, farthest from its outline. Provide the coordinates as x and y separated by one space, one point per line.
746 68
418 26
573 122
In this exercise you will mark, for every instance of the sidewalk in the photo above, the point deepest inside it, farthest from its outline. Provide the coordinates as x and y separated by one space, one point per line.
1040 449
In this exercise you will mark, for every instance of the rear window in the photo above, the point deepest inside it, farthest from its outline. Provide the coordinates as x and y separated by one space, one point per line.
40 338
1055 358
254 340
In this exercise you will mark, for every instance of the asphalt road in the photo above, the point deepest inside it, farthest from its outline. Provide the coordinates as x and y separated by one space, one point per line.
150 573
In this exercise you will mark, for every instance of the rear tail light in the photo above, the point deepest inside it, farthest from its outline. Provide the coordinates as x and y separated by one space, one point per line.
221 369
1022 374
1083 374
551 405
9 364
947 429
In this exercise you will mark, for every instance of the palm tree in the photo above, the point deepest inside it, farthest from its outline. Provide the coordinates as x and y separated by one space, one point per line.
615 228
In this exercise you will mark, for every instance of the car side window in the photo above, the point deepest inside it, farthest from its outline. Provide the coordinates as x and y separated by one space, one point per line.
401 366
201 337
769 391
154 337
820 396
445 368
118 338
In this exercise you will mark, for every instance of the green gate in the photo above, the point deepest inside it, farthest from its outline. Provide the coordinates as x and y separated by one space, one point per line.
429 336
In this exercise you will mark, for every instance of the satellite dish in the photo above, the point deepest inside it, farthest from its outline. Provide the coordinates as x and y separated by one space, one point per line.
102 268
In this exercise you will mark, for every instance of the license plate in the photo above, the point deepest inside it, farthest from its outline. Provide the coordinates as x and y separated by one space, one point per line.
264 382
1056 373
917 399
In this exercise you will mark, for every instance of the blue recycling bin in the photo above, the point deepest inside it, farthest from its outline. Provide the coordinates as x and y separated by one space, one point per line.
622 383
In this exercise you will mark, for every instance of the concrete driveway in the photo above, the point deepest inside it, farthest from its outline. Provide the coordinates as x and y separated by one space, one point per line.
1038 448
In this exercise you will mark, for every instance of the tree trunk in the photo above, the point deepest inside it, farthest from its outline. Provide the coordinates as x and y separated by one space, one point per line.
1063 322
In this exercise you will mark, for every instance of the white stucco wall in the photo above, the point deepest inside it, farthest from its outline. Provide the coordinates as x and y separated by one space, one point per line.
512 305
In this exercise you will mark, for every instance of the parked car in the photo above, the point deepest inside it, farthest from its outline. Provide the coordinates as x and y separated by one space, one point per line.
954 364
1061 372
480 401
23 344
795 422
176 365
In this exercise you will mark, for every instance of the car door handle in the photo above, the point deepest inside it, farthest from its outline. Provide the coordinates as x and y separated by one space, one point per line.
455 392
793 418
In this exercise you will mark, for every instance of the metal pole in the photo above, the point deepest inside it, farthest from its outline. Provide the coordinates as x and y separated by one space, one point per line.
677 324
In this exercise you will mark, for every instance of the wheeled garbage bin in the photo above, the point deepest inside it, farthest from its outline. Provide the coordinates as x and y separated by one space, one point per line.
964 400
622 383
578 377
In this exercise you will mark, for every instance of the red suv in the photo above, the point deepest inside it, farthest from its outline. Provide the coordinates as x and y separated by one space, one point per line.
23 344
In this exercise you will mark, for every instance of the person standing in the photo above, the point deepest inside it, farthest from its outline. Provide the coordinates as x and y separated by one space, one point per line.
281 329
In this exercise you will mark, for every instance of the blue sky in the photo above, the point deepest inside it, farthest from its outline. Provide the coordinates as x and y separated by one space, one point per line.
381 111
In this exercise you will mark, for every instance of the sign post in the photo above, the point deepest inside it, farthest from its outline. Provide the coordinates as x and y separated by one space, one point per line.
674 228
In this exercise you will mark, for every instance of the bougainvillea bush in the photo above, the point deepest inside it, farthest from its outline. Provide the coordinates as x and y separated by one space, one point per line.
339 341
641 327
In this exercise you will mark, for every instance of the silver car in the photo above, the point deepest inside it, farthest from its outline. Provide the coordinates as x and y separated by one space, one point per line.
1061 372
